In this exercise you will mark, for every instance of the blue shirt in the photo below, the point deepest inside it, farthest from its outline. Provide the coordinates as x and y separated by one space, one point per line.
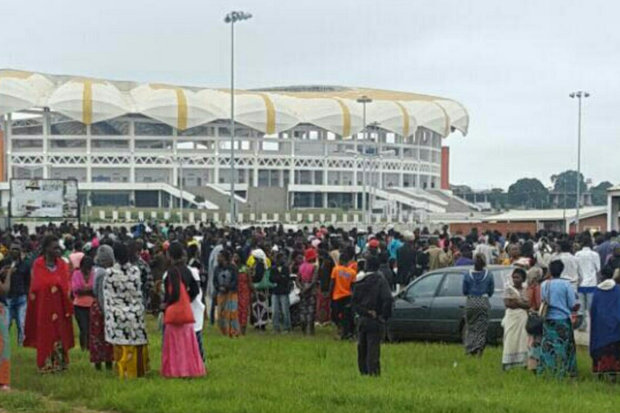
395 244
463 261
478 283
560 296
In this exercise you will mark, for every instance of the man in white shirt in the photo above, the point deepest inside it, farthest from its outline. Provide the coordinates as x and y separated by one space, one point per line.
571 271
589 263
489 250
198 309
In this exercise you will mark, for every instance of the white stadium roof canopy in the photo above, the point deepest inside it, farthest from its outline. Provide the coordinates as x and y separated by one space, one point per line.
269 111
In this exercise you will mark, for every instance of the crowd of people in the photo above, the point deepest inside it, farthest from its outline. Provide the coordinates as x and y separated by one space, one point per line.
109 280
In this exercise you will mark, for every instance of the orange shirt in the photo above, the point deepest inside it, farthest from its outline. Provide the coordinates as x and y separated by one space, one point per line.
343 278
353 265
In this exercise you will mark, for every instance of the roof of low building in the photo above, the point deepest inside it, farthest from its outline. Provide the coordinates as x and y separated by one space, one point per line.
547 214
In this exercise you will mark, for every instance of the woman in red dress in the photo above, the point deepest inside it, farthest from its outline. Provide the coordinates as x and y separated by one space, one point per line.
244 292
49 323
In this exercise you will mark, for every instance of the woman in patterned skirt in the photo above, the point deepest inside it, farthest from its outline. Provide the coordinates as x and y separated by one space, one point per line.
558 356
125 328
244 291
534 278
307 280
478 287
259 263
100 350
225 285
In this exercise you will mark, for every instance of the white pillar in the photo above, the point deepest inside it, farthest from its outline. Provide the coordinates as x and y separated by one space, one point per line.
216 164
613 207
175 164
46 140
257 145
132 151
8 145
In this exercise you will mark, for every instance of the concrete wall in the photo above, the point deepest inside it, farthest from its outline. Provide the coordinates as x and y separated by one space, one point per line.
266 199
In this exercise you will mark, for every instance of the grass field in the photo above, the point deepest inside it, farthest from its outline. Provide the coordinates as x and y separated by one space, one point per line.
263 372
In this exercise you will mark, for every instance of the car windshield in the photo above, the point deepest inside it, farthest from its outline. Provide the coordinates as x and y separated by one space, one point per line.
501 276
453 283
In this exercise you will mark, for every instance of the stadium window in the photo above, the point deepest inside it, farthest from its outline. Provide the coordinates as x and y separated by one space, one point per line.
153 144
32 126
110 143
112 127
152 129
225 145
25 144
263 178
201 130
67 143
318 177
68 128
271 146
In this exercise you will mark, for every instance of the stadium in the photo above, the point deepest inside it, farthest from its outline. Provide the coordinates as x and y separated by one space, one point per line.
151 145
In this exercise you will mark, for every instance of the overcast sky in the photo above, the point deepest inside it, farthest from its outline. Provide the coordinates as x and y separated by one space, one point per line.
511 63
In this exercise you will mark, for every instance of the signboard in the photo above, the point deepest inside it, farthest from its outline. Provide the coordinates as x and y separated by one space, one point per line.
44 198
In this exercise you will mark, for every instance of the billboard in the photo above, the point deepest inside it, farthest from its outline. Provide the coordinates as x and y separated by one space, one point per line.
44 198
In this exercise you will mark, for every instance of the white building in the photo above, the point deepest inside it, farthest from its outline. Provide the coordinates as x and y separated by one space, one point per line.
134 144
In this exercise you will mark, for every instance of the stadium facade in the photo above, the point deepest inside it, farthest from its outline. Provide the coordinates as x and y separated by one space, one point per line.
132 144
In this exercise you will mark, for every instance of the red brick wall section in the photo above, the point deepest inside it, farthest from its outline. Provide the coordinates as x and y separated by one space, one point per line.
465 228
597 223
445 167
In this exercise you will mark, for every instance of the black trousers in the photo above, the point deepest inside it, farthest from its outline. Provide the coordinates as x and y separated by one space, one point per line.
369 338
343 316
82 316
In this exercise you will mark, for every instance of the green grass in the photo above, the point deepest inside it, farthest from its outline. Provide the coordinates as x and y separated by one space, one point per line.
291 373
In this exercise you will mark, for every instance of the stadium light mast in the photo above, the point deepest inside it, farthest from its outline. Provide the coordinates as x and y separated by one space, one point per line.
364 100
232 18
579 95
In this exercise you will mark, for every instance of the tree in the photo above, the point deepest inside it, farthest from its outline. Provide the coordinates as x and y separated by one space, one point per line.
599 193
528 193
497 198
565 188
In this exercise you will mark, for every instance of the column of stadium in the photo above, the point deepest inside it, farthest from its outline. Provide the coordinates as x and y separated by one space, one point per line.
124 141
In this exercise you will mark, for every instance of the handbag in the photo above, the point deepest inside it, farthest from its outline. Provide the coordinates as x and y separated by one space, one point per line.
535 319
180 312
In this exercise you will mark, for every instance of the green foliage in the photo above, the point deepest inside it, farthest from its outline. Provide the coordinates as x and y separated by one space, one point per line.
565 184
599 193
292 373
528 193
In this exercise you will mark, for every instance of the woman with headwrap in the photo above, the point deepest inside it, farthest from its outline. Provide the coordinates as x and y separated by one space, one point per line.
259 264
100 350
49 324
